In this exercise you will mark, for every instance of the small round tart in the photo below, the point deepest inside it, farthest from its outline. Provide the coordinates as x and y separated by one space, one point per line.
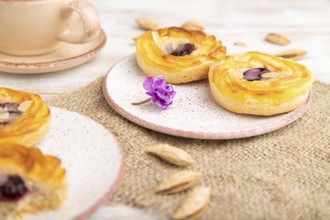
29 181
259 84
24 117
177 54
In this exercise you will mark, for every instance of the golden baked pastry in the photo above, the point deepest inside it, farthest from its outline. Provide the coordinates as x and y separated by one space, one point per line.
259 84
177 54
24 117
29 181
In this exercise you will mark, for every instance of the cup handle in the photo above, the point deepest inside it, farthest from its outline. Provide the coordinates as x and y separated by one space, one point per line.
90 21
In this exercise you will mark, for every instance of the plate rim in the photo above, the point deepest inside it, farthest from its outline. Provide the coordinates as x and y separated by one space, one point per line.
52 66
113 188
291 117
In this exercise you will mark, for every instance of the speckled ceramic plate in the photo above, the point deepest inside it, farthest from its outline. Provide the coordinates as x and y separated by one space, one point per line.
67 56
92 159
194 113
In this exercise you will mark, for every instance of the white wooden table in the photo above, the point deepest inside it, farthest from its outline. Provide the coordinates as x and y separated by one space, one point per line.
305 22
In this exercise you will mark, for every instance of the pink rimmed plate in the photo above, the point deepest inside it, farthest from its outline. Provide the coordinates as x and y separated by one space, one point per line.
194 113
92 159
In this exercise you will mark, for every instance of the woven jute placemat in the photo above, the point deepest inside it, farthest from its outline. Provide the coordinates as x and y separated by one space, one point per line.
281 175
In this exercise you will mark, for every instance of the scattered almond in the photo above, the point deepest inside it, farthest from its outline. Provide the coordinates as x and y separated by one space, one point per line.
277 39
240 44
24 106
171 155
294 54
194 205
146 24
193 25
178 182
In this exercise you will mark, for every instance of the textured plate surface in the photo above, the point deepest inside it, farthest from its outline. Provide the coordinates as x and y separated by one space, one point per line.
67 56
194 113
92 159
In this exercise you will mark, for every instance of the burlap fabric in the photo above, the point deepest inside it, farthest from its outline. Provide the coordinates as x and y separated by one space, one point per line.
280 175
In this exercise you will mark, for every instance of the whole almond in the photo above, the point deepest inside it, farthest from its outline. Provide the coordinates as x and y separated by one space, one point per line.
193 25
171 155
277 39
146 24
178 182
194 205
294 54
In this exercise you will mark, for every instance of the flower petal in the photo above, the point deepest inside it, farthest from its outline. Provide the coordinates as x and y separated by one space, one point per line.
153 95
164 104
161 93
159 82
148 82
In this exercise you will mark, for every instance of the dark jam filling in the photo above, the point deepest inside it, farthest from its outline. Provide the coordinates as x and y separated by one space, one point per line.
187 49
255 74
13 189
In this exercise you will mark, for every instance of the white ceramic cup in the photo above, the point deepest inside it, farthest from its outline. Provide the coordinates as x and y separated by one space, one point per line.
30 27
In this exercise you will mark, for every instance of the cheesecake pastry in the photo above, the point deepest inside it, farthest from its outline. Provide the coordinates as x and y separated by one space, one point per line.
259 84
177 54
30 182
24 117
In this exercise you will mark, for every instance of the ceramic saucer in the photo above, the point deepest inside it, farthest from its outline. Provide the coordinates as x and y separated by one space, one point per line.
67 56
194 113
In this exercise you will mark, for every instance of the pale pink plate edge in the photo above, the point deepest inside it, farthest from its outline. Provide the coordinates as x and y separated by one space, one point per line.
291 117
91 210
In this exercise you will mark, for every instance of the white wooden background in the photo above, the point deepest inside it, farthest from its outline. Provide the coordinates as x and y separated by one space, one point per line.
306 22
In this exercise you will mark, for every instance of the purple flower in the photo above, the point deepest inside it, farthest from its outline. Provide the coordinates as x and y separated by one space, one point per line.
160 92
